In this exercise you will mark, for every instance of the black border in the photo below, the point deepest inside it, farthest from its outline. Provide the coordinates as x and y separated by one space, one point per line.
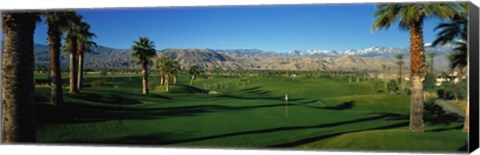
473 76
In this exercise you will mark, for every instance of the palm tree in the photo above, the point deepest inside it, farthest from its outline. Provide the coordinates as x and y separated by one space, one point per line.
144 50
195 70
384 67
57 23
73 33
400 66
165 65
458 59
18 90
175 69
161 61
411 17
431 56
455 30
85 44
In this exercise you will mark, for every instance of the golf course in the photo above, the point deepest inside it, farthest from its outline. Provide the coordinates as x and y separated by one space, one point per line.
342 77
240 112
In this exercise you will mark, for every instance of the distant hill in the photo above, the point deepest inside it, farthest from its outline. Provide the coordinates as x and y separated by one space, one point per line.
247 59
100 58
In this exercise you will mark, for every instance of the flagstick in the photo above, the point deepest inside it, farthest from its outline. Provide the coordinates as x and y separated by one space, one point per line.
286 106
286 109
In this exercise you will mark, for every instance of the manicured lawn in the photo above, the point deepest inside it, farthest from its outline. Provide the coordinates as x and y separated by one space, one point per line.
241 112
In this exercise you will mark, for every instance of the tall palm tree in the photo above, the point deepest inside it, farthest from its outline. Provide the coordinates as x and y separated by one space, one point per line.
160 62
73 33
165 65
57 23
384 67
175 69
400 63
144 50
85 44
411 17
18 90
195 70
455 30
458 59
431 56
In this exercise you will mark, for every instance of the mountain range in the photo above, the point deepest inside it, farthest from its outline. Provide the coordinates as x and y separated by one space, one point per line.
371 58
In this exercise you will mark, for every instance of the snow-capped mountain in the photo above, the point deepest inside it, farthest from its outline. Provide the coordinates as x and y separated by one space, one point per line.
314 52
375 51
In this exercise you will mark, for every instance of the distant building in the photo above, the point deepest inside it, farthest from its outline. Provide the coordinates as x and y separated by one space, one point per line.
448 78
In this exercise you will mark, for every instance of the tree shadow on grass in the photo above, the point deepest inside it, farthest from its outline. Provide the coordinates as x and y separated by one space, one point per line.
114 99
342 106
436 115
464 148
116 107
136 94
318 138
290 128
82 113
458 127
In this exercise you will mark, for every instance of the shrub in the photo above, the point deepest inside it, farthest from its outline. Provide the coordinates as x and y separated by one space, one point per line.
98 83
392 86
408 92
429 82
151 84
453 91
435 113
103 72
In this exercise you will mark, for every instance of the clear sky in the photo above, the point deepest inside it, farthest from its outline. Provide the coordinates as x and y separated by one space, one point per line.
277 28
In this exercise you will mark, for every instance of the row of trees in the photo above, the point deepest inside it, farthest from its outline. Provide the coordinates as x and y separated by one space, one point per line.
144 51
78 40
18 65
411 17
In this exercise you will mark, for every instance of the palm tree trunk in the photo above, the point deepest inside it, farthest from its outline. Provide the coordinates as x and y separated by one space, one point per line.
417 59
145 77
460 74
18 88
54 44
399 74
466 123
191 81
73 66
166 82
80 72
162 78
175 77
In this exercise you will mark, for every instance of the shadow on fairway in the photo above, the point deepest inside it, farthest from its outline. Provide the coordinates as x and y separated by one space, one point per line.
446 129
115 107
282 129
108 99
317 138
343 106
436 115
464 148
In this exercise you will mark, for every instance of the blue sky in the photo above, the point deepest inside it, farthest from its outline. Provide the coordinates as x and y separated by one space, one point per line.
277 28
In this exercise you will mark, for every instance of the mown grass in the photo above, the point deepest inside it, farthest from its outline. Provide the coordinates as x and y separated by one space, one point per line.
244 112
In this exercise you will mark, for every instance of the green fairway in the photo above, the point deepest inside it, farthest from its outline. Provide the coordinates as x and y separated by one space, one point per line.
240 112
